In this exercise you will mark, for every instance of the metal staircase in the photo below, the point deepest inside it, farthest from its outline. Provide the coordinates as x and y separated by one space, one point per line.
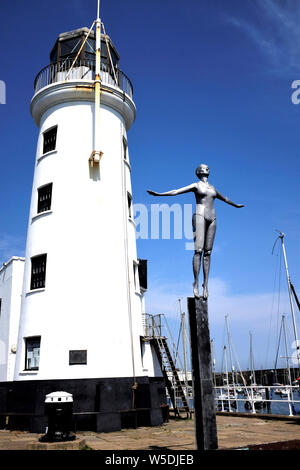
174 385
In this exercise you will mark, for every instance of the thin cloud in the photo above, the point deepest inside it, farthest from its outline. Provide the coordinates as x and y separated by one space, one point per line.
243 308
10 245
247 312
275 31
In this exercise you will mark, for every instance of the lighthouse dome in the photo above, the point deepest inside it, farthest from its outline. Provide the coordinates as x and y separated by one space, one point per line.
69 43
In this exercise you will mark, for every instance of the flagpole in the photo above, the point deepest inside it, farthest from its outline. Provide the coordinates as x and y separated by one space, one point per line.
97 154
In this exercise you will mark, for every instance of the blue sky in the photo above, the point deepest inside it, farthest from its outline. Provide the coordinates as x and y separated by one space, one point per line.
212 84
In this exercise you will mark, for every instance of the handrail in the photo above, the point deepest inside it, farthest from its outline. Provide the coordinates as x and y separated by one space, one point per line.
82 70
154 329
290 400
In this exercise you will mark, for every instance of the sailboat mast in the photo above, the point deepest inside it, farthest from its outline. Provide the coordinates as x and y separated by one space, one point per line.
230 350
286 350
227 378
182 315
213 361
226 367
252 360
281 236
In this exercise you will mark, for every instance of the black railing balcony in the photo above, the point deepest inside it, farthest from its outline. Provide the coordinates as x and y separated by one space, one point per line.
82 70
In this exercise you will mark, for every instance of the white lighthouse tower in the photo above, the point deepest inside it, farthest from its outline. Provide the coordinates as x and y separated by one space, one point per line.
81 322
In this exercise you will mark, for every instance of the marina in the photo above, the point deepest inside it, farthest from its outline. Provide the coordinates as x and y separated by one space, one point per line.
281 401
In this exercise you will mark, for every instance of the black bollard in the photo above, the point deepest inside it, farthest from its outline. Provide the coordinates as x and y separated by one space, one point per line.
204 399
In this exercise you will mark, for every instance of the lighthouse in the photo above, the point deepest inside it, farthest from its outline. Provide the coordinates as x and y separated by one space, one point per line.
81 321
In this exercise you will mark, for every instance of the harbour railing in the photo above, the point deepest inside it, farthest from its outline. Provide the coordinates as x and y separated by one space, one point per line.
256 397
65 70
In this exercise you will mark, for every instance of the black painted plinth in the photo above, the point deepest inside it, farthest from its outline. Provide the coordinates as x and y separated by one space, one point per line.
204 403
101 405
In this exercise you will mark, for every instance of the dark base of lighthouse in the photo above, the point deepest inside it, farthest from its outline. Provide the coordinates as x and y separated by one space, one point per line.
101 405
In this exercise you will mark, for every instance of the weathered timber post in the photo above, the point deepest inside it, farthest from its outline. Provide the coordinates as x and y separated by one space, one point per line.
204 400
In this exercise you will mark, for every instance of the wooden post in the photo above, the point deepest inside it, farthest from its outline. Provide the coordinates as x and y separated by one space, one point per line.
204 400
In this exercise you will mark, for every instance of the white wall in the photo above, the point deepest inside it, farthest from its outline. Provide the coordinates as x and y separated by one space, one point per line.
11 279
88 302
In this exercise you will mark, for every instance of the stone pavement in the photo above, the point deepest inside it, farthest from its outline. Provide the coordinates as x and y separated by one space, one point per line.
233 432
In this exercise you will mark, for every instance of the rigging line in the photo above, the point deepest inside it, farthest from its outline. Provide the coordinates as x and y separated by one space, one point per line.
177 346
222 362
279 291
272 305
91 47
222 347
63 63
295 295
108 50
240 371
74 61
275 367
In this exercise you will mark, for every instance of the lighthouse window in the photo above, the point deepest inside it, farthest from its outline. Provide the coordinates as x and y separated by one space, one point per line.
143 273
32 353
50 140
129 200
125 147
0 306
135 272
38 272
44 198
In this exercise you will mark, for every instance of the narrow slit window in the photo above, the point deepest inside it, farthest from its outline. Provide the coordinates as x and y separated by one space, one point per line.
44 198
142 344
0 306
50 140
135 272
32 353
125 148
143 274
38 272
129 201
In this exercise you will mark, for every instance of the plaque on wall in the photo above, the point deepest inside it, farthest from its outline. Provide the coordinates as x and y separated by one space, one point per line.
78 357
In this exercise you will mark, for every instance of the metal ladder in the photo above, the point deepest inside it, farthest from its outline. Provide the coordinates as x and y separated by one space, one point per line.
174 386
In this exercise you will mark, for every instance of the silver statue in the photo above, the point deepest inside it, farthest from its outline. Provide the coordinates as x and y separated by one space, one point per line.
204 222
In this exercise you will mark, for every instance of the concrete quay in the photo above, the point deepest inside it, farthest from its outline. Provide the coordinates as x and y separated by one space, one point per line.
233 432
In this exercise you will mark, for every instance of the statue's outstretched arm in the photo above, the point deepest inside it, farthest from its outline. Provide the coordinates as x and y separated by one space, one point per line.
174 192
228 201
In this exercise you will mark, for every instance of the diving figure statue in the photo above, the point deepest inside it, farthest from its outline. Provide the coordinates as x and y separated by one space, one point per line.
204 223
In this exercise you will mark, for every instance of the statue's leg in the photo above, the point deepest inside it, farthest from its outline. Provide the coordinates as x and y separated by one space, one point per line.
196 269
199 236
209 241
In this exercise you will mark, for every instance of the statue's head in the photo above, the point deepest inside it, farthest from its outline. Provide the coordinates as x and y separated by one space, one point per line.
202 170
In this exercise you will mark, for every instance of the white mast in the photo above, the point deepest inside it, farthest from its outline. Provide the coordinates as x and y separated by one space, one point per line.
182 315
253 380
213 361
281 236
230 349
97 154
227 378
286 350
